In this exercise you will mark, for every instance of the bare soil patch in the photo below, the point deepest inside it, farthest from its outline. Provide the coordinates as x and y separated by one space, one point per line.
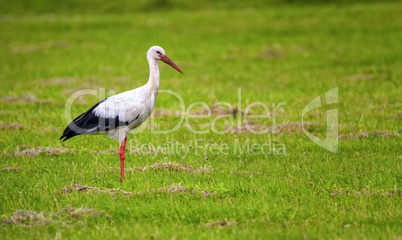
219 224
218 110
388 193
247 173
272 54
24 98
283 128
38 47
56 81
89 189
10 126
61 217
398 115
173 189
366 77
174 166
11 169
171 166
109 151
215 110
178 189
166 112
33 152
382 133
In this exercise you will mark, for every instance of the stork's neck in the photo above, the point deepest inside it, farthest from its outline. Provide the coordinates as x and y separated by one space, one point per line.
153 81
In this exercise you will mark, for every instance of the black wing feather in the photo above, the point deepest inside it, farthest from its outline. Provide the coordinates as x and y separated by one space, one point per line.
88 122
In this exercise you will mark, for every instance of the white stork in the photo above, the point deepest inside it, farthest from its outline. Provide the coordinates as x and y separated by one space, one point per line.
117 115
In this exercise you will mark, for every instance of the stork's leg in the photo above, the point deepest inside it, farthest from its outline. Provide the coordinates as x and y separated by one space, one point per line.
122 157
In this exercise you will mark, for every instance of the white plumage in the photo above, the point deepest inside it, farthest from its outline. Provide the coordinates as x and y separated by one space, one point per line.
133 106
117 115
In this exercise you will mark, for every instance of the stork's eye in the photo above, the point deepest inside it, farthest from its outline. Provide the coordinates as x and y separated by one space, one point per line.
159 53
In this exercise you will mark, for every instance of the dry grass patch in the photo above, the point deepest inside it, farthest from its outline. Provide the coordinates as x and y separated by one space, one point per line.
39 47
109 151
171 166
24 98
218 110
283 128
398 115
89 189
10 126
388 193
166 112
271 54
11 169
366 77
219 224
22 217
215 110
33 152
247 173
382 133
59 81
173 189
61 217
179 189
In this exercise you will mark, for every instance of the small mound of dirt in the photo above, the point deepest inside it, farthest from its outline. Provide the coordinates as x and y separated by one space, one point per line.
166 112
59 80
388 193
11 169
109 151
367 77
219 224
173 166
10 126
284 128
218 110
181 189
247 173
24 98
63 216
382 133
24 151
79 213
173 189
215 110
272 54
22 217
89 189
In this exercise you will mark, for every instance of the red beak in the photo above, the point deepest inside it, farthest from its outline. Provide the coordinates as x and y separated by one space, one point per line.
167 60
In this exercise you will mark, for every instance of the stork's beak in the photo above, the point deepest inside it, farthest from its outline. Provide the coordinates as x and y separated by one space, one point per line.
167 60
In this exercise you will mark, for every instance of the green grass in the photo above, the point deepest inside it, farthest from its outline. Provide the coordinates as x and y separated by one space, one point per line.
290 53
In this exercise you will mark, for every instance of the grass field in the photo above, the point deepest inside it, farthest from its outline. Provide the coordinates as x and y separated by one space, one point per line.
192 185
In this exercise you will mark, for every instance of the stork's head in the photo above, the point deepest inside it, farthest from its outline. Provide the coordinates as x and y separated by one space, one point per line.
158 53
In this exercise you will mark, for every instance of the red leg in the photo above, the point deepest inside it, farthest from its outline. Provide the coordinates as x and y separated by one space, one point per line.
122 157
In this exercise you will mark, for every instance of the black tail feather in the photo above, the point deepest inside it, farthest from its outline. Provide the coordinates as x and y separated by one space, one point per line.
89 123
79 124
